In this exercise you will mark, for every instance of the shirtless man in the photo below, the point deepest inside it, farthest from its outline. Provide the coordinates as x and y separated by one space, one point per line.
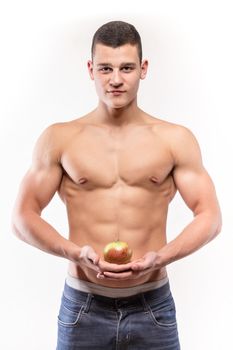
117 169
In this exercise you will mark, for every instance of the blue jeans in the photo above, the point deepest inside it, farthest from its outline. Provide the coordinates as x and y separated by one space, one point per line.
93 322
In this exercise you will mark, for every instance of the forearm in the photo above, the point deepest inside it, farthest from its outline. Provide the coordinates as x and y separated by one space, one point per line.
32 229
199 232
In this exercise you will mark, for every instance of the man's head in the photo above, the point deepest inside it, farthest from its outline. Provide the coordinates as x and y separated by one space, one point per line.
115 34
117 65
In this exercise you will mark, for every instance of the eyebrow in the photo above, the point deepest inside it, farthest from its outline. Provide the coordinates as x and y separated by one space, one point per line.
131 64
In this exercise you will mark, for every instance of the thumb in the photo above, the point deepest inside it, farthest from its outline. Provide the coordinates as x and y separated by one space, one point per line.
138 265
93 256
145 262
88 253
96 259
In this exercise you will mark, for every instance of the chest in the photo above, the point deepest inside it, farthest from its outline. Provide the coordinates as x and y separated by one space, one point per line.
99 158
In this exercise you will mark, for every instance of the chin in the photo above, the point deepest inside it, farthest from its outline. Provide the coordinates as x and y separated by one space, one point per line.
115 105
118 105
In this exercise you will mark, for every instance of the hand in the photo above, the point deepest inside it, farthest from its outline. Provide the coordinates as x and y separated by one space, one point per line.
116 269
132 270
146 264
89 258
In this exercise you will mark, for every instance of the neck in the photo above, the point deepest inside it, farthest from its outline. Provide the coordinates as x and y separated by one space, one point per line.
118 117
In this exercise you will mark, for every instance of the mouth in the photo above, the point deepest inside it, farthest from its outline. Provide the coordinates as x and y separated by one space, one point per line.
116 92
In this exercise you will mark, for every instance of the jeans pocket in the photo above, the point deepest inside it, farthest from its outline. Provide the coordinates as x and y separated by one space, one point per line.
70 312
164 313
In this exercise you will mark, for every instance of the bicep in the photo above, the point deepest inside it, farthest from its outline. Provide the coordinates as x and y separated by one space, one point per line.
191 178
38 187
196 188
43 178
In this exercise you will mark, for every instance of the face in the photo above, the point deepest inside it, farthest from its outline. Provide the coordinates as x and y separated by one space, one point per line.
117 73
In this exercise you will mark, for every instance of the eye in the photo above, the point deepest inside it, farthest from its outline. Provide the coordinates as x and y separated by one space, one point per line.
127 69
105 69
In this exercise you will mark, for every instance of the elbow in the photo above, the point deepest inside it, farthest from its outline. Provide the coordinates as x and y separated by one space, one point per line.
19 224
16 231
15 225
218 225
212 222
14 221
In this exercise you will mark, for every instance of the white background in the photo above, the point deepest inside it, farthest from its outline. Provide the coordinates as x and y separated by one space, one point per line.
43 79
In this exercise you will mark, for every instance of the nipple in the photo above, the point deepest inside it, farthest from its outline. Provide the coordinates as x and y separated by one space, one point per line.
82 180
153 179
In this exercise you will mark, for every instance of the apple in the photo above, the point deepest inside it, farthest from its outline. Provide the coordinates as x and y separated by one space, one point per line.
117 252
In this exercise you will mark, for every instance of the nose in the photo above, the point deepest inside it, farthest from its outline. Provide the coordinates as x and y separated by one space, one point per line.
116 79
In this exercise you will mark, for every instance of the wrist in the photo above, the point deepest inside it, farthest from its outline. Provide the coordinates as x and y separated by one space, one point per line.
162 259
70 251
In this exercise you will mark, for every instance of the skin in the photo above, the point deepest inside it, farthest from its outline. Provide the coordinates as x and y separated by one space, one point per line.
116 170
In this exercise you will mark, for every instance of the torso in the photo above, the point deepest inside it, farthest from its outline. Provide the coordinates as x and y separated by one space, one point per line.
117 184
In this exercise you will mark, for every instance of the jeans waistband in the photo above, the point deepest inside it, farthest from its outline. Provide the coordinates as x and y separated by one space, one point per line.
93 288
155 295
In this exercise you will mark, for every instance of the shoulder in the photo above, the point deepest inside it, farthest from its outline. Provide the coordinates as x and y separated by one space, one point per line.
60 132
54 138
184 145
173 133
63 128
179 139
176 132
166 127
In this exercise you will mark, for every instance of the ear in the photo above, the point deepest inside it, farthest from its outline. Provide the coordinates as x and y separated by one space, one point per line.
144 67
90 69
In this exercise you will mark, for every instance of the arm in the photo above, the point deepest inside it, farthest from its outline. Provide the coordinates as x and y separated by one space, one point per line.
36 190
198 192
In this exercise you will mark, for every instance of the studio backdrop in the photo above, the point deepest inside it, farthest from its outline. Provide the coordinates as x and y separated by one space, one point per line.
45 46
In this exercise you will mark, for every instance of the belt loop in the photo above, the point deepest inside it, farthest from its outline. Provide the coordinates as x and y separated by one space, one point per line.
144 303
88 303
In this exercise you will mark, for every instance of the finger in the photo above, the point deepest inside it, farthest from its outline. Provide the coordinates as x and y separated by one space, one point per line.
105 266
93 267
138 267
118 276
142 272
141 265
100 275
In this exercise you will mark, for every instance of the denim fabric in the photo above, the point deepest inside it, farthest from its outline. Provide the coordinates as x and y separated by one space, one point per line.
94 322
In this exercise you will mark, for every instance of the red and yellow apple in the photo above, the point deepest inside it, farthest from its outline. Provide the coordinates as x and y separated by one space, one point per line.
117 252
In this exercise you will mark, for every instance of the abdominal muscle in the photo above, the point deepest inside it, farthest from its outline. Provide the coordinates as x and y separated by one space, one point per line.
131 213
137 217
152 241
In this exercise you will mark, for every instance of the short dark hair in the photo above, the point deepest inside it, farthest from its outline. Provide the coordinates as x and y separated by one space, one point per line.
115 34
